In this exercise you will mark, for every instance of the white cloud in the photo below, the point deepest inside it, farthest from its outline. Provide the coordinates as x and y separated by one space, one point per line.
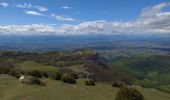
25 5
152 20
62 18
40 8
30 6
33 13
163 14
4 4
150 12
66 7
26 29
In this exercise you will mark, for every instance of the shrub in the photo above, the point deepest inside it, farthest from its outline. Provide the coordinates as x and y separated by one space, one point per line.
4 70
90 82
36 73
45 74
67 79
117 84
14 73
128 94
74 75
35 81
55 76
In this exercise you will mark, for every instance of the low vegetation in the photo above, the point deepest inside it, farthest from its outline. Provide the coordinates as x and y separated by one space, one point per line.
117 84
36 81
90 82
66 78
129 94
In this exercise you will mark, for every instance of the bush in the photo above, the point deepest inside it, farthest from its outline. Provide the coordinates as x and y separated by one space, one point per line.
45 74
117 84
55 76
4 70
36 73
35 81
67 79
73 75
14 73
90 82
128 94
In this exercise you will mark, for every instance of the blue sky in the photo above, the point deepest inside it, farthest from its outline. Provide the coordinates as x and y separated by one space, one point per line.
70 17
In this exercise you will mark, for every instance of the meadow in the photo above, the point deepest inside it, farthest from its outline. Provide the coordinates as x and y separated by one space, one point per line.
12 89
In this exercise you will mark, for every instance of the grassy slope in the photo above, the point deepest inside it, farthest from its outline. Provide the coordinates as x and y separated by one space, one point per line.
30 66
56 90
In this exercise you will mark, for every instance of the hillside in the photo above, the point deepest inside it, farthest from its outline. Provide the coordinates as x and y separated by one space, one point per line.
79 62
14 90
55 69
151 71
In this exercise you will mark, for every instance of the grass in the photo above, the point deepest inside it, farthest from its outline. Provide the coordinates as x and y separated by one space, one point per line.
76 68
30 66
57 90
165 88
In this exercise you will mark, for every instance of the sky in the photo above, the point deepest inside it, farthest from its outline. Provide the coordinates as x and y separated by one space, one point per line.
84 17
